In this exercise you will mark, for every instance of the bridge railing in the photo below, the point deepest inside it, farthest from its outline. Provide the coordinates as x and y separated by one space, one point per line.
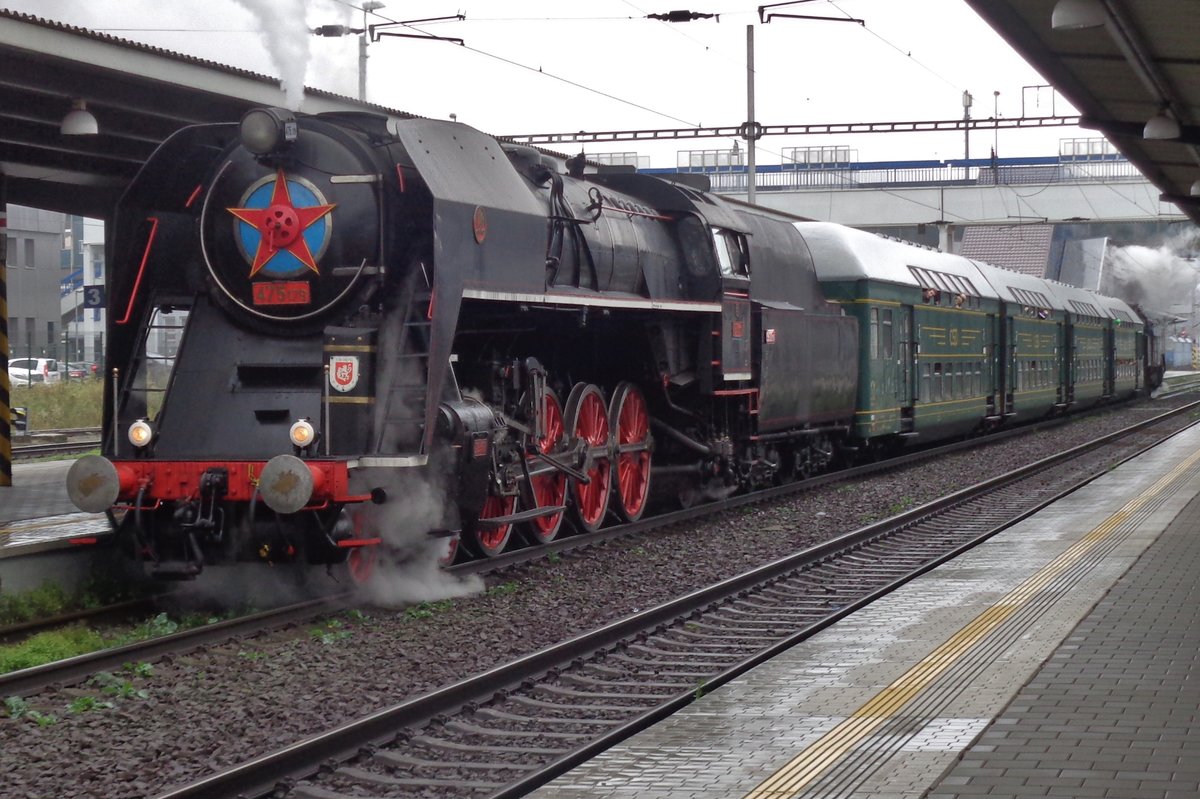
911 174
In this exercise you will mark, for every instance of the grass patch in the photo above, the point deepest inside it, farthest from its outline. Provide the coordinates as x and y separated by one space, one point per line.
47 647
49 600
50 646
61 405
424 610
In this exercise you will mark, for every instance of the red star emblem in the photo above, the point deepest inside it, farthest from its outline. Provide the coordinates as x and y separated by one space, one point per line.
281 226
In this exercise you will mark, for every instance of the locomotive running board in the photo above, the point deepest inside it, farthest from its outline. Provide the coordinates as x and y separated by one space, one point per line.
401 462
493 522
602 300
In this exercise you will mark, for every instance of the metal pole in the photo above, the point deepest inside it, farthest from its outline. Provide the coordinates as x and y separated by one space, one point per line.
362 62
996 117
966 101
750 126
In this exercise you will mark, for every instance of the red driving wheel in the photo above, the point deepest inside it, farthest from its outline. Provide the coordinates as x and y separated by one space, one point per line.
587 419
549 488
491 541
630 422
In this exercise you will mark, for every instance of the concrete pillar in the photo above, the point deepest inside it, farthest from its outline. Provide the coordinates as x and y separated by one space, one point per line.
5 411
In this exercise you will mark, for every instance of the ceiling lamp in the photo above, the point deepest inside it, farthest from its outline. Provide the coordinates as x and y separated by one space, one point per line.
1074 15
1161 126
79 121
1196 189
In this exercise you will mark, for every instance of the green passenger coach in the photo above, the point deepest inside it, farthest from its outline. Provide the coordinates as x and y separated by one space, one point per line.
949 346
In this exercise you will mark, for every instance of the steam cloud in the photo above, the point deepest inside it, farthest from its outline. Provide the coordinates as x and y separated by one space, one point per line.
408 569
286 36
1159 279
214 30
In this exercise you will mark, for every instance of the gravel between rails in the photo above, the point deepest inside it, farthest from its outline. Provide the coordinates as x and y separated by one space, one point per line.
210 710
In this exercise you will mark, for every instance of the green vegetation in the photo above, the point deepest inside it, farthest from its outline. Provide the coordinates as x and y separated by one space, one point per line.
511 587
67 642
82 704
333 631
18 708
117 686
49 600
423 610
61 405
46 601
50 646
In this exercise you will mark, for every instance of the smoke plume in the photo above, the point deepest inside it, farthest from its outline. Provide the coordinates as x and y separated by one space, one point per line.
408 570
286 36
1159 279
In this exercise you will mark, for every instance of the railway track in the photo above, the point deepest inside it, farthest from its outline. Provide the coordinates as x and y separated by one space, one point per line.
76 669
66 672
50 443
504 732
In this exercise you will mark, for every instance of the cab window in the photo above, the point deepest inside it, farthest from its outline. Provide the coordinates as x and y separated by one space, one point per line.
731 253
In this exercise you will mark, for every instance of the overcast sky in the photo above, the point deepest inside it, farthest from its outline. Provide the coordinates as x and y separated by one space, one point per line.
539 66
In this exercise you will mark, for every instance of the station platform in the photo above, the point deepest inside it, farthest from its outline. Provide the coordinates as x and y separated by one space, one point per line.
35 513
1061 658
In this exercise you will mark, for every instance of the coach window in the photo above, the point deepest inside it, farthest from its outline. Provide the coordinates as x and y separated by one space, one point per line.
731 253
885 332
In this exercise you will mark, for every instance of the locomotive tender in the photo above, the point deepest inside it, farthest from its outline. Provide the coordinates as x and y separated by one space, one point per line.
314 317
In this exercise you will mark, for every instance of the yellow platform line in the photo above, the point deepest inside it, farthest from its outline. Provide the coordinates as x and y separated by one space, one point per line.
806 767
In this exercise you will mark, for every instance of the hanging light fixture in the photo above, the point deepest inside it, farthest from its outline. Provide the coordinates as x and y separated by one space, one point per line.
79 121
1195 192
1075 15
1161 126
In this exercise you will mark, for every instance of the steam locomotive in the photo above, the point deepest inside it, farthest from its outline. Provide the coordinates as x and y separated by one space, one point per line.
327 329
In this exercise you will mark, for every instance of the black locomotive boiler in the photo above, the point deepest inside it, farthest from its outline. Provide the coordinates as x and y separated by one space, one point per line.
314 319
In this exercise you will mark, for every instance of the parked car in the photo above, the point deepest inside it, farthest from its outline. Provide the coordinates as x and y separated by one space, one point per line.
81 370
33 371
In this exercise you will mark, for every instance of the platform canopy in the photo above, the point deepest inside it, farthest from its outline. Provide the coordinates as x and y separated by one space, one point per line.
1120 63
138 95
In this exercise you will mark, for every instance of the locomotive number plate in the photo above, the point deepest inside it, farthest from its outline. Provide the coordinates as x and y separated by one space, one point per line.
282 292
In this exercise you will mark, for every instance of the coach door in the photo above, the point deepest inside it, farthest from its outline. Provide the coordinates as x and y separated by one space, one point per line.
906 359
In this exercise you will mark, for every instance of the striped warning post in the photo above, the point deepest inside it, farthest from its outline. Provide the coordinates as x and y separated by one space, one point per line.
5 412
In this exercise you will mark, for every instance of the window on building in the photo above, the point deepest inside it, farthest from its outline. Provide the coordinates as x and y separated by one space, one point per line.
11 251
30 262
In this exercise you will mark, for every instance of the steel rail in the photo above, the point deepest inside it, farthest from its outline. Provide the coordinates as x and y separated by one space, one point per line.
27 681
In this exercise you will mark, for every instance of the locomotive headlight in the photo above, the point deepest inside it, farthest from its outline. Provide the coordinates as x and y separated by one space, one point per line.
302 433
267 130
140 433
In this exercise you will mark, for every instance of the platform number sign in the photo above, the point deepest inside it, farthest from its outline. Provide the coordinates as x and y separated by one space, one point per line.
93 296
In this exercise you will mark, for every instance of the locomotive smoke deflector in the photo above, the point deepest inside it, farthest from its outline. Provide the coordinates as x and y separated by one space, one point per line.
267 130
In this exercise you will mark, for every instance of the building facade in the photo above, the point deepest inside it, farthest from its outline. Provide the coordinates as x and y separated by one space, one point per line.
51 261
